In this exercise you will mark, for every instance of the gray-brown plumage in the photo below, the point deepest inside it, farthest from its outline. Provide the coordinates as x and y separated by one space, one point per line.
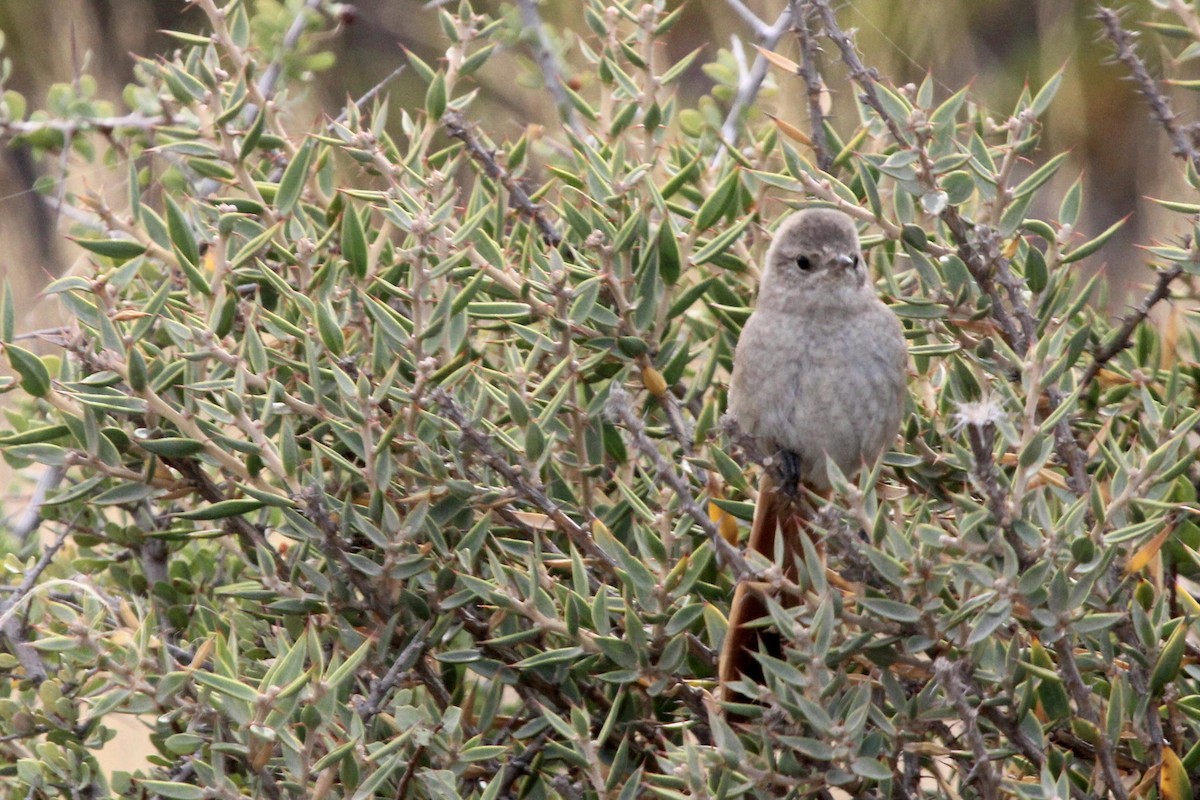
818 377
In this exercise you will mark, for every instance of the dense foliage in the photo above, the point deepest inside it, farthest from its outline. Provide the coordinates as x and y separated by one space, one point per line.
391 462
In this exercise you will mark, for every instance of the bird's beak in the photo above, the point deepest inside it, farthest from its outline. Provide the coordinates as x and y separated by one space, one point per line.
844 261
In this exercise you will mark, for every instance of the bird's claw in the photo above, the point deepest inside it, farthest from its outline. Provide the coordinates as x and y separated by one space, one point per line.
789 473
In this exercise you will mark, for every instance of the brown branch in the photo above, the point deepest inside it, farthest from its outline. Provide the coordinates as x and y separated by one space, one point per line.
982 773
367 96
529 489
69 127
976 247
859 73
978 422
30 517
620 407
810 70
981 436
248 534
317 511
980 265
1105 352
270 77
1160 104
1006 723
1083 706
521 765
458 127
1068 450
380 689
36 731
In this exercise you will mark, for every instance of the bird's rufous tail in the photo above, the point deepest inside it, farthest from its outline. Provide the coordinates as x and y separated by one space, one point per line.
774 513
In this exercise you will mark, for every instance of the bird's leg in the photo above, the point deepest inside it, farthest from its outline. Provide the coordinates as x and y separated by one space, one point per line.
789 474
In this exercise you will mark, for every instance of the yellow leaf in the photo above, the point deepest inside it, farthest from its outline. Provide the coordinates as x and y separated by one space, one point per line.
536 521
202 653
1173 782
1146 783
725 522
1186 598
1010 249
654 382
783 62
791 131
1148 551
128 617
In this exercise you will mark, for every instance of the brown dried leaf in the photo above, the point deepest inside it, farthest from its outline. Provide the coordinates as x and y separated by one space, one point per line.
783 62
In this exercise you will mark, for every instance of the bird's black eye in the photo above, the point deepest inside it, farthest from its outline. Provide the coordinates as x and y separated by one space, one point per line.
804 263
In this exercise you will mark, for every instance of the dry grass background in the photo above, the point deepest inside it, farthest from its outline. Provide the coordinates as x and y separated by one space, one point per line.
997 45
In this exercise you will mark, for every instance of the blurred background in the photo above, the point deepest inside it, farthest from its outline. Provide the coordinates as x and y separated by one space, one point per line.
998 46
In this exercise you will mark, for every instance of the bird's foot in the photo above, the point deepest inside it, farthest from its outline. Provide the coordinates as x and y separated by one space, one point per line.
789 473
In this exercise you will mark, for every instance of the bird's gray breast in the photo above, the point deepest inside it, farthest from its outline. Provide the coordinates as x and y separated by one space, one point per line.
821 382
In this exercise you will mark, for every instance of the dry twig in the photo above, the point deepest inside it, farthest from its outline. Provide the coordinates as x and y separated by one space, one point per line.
620 407
749 82
548 63
458 127
811 72
1160 104
1105 352
982 772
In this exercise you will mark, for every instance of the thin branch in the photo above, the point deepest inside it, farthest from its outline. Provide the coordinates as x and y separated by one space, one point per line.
976 247
749 17
106 125
1034 751
1067 448
981 434
403 662
1160 104
521 765
317 511
859 73
11 628
620 407
458 127
249 535
370 94
811 72
750 82
982 773
978 422
31 516
269 79
529 489
1083 697
1120 340
29 734
531 18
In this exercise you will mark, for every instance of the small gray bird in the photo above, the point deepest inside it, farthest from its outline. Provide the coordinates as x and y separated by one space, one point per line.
818 377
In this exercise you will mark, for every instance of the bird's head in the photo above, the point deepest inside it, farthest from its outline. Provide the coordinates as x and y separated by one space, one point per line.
814 248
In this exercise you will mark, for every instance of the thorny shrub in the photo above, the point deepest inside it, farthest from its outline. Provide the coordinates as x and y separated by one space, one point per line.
389 461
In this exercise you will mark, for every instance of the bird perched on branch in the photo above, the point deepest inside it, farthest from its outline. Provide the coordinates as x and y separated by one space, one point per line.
818 379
